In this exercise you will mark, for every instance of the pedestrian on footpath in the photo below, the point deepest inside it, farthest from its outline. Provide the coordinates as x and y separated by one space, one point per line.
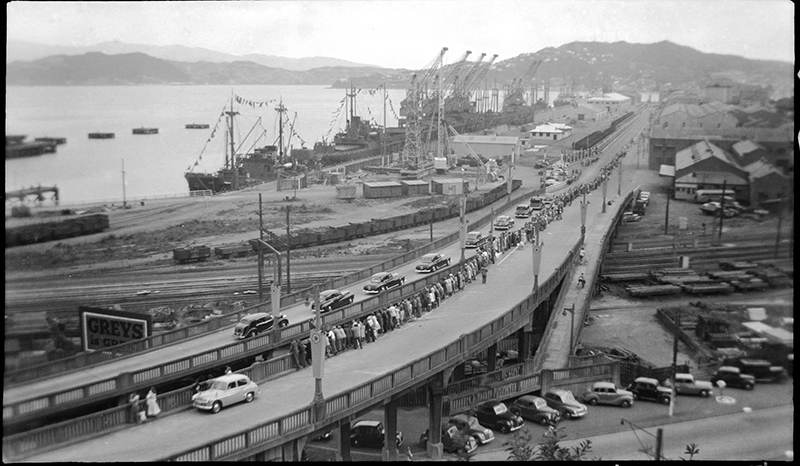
295 352
581 281
152 403
484 272
301 354
133 412
583 255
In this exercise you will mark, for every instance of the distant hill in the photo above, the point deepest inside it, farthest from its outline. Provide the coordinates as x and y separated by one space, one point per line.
28 51
577 65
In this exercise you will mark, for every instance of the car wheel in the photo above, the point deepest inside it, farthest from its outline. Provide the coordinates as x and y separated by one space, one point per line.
625 404
216 407
704 393
593 402
543 421
249 397
748 386
355 442
504 429
252 333
566 415
283 324
665 400
635 396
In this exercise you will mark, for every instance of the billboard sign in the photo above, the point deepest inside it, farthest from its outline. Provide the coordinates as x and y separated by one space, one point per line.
103 328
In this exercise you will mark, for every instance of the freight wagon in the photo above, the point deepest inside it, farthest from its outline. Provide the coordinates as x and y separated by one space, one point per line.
191 254
56 229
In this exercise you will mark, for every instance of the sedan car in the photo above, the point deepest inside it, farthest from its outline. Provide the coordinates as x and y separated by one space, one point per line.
225 391
383 281
685 384
330 300
646 388
475 239
503 222
471 426
607 393
629 217
260 322
496 415
535 409
370 434
432 262
563 401
453 440
733 377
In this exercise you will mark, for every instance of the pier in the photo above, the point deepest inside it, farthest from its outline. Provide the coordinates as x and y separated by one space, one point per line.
17 147
33 195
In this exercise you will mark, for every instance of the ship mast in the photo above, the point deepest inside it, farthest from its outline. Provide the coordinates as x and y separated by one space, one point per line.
280 109
229 163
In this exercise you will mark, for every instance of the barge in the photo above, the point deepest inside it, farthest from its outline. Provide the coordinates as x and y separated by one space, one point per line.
145 130
197 126
101 135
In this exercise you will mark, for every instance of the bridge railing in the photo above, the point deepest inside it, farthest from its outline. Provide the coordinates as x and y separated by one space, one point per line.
88 359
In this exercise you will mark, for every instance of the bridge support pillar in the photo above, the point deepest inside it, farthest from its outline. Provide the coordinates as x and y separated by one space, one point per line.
344 441
435 449
292 450
390 452
524 343
491 358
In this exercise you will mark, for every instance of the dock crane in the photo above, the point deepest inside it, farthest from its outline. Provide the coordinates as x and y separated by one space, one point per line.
514 97
415 97
458 101
472 86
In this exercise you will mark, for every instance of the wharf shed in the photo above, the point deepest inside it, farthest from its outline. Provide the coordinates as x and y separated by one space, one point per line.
550 131
706 166
346 191
415 187
708 115
450 186
589 112
382 189
767 183
610 101
490 147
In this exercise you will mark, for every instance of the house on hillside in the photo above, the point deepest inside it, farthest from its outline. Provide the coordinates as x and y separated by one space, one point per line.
706 166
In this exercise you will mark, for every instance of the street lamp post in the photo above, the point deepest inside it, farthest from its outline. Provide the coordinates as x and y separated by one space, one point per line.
619 186
605 190
463 231
571 311
318 344
584 206
536 252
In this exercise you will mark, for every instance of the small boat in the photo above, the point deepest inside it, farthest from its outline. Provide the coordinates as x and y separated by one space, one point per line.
197 126
101 135
57 141
145 130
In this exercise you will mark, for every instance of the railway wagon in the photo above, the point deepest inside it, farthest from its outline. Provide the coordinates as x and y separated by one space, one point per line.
191 254
56 229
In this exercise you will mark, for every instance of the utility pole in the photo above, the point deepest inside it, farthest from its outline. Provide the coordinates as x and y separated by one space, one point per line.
605 190
463 230
722 209
780 223
260 252
674 359
666 217
124 202
619 187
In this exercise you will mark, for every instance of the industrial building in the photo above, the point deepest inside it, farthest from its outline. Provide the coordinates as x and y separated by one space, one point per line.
490 147
611 101
768 185
710 115
706 166
550 132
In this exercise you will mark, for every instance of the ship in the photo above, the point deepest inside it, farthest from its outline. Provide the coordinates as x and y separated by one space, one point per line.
16 146
101 135
145 130
197 126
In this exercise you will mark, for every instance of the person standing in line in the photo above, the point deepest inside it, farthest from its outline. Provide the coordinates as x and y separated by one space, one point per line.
152 403
295 352
484 272
133 400
301 354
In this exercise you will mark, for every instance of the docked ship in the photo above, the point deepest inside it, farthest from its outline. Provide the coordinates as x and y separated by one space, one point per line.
16 146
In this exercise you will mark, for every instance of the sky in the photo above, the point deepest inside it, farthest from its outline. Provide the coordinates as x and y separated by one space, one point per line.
409 34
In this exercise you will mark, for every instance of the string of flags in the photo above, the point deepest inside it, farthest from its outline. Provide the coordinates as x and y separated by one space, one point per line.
253 104
213 132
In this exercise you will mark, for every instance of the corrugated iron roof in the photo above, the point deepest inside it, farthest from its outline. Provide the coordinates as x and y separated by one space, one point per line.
761 168
382 184
701 151
414 182
477 139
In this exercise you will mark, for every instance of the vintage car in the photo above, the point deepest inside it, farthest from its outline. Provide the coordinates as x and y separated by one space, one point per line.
503 222
760 369
733 377
471 426
630 217
564 402
432 262
260 322
370 434
330 300
534 408
475 239
606 393
383 281
453 440
685 384
496 415
225 391
645 388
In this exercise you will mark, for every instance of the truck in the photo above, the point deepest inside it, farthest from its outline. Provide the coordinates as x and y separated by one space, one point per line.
440 165
523 211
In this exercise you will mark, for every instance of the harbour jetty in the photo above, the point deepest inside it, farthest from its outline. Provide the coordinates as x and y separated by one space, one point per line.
101 135
17 147
145 130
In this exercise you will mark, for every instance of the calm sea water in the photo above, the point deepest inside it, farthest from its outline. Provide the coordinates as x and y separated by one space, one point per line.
91 169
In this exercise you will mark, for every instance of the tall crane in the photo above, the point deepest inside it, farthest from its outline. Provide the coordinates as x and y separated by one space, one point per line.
457 101
514 96
472 86
415 97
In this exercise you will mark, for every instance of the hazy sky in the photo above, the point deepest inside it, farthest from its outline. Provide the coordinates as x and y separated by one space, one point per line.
409 34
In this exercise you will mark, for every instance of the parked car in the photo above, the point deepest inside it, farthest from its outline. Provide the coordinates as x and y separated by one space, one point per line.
330 300
535 409
628 217
607 393
645 196
496 415
733 377
383 281
645 388
225 391
685 384
260 322
712 208
760 369
549 182
370 434
503 222
471 426
563 401
475 239
453 440
432 263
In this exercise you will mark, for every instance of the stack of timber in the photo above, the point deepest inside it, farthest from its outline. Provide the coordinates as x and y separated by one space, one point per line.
626 277
774 277
707 288
645 291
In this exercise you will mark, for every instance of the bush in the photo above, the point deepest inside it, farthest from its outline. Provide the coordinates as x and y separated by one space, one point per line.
20 211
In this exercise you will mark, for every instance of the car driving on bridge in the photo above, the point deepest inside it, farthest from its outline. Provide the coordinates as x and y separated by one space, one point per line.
225 391
503 222
260 322
432 262
475 239
383 281
330 300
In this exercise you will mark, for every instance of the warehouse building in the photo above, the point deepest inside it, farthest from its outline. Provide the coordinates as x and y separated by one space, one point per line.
710 115
706 166
611 101
550 132
767 184
490 147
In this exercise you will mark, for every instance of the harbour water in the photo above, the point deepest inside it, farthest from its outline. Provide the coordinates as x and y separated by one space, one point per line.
91 169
